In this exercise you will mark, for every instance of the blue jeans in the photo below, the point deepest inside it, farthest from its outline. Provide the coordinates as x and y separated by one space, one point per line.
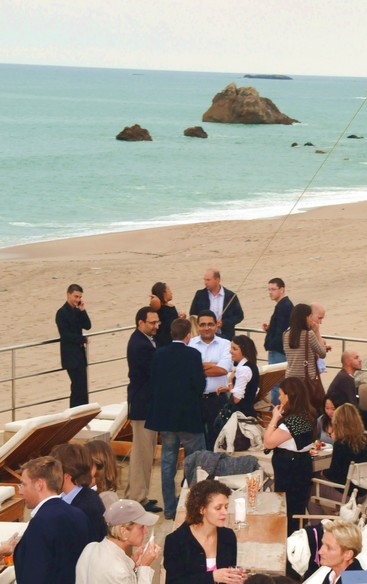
170 446
275 357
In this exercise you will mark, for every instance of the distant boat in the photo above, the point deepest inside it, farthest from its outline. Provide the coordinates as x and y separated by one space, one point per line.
250 76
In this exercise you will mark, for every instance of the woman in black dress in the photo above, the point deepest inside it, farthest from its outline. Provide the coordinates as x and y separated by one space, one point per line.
290 434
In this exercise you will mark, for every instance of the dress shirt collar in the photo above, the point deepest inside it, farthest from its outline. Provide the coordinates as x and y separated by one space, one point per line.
220 293
34 511
70 496
150 338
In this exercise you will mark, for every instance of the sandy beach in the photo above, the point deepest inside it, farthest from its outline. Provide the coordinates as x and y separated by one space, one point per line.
320 254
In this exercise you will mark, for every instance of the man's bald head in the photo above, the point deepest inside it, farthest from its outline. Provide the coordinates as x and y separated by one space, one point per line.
318 312
351 361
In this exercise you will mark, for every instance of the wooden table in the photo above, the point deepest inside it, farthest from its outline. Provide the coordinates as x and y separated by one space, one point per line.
261 546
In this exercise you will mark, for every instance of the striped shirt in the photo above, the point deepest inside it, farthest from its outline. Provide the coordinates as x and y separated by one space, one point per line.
296 357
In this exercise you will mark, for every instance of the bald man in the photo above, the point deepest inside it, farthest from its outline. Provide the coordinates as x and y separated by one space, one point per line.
224 303
343 386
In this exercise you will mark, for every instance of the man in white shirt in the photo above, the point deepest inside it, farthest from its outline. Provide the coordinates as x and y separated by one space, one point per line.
57 533
217 362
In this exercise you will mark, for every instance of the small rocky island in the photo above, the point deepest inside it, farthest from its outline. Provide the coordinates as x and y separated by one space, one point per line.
195 132
134 134
244 105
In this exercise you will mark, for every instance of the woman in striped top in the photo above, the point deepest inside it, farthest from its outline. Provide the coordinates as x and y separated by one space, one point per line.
294 343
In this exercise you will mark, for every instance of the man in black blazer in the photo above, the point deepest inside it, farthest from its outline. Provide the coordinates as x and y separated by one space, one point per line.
177 384
140 352
57 533
221 301
71 319
76 464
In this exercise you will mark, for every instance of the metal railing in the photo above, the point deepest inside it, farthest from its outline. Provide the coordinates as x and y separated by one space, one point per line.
14 378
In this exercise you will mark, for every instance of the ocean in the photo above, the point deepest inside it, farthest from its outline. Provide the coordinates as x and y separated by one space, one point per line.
65 175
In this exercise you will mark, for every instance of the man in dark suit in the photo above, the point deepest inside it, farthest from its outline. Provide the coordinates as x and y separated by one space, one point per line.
343 387
140 352
221 301
177 385
57 533
76 465
71 319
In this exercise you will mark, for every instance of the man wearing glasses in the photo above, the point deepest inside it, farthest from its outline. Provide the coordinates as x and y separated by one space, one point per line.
217 362
140 352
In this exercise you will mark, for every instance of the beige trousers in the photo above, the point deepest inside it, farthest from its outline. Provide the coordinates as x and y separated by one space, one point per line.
141 462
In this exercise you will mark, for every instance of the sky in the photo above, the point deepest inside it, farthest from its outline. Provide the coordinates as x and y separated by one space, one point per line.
304 37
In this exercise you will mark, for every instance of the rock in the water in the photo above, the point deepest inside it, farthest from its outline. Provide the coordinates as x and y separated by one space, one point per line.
354 137
243 105
294 144
195 132
308 144
134 134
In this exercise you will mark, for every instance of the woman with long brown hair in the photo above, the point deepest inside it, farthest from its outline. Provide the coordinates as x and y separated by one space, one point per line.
350 444
290 434
294 342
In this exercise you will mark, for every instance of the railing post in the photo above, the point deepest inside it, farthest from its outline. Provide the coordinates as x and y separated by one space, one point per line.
13 376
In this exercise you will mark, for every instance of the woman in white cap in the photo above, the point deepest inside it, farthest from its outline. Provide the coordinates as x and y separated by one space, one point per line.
107 562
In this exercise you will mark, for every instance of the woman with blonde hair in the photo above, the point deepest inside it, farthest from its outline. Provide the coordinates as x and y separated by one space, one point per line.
341 543
108 561
350 444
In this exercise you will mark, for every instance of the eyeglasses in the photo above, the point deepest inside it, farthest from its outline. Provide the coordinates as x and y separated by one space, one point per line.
153 322
207 325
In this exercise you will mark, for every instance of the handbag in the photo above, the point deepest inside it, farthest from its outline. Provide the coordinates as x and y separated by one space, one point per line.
316 392
224 415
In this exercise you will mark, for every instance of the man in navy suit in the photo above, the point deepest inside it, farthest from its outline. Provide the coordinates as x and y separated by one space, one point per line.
221 301
76 465
177 385
57 533
140 352
71 319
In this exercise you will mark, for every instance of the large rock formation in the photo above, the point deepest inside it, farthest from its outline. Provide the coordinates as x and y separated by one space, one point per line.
195 132
134 134
243 105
